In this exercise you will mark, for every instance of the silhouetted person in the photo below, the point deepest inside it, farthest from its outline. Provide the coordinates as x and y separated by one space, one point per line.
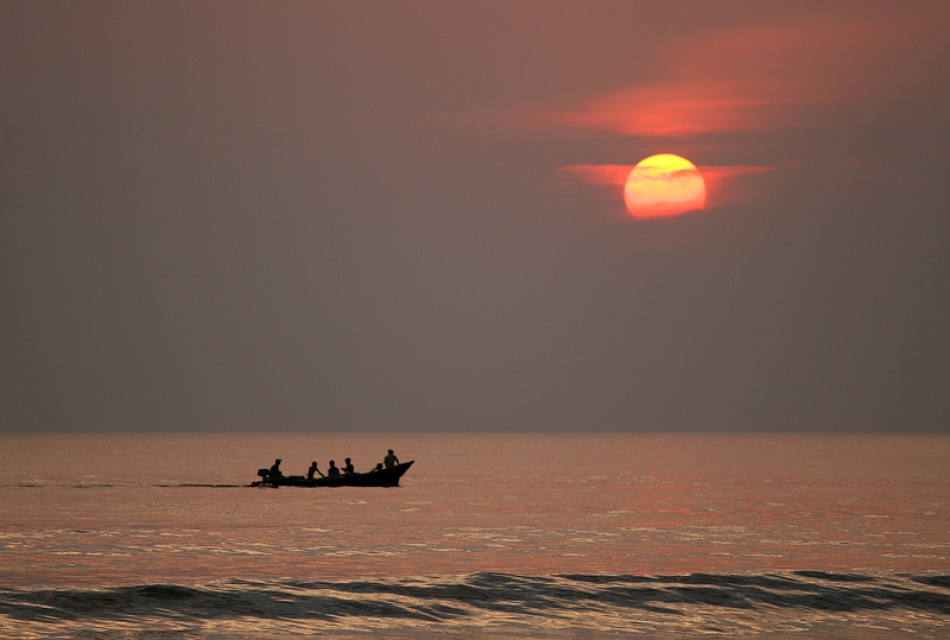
275 470
390 460
313 469
378 467
348 467
333 471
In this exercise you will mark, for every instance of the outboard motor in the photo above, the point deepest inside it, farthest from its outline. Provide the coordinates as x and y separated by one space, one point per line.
263 473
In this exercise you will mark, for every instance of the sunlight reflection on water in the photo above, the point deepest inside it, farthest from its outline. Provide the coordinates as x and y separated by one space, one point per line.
101 511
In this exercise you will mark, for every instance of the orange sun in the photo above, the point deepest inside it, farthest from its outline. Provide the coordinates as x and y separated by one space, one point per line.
664 185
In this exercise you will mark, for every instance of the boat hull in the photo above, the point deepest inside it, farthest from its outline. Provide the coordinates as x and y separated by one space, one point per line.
382 478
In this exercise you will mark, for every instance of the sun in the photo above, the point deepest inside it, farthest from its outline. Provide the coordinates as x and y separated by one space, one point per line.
664 185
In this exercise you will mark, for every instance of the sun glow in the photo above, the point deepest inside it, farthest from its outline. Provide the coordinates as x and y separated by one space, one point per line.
664 185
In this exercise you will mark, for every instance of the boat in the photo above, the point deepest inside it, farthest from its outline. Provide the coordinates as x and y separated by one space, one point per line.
381 478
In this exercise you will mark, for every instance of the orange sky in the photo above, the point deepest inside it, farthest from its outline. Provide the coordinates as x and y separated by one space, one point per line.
811 71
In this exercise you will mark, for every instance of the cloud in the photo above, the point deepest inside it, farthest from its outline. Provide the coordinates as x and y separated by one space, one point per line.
727 184
603 175
817 71
782 75
723 183
616 174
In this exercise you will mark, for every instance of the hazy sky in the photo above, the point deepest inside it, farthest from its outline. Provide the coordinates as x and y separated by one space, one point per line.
338 216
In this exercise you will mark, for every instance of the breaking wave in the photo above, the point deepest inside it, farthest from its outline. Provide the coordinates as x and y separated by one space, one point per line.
604 605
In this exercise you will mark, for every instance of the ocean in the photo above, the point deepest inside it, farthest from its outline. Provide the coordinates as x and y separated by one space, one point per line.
489 536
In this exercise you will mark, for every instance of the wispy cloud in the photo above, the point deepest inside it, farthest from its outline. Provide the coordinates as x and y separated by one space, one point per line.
771 76
602 175
784 76
722 182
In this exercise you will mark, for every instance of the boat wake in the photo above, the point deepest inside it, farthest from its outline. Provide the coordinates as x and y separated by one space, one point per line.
39 484
202 485
554 606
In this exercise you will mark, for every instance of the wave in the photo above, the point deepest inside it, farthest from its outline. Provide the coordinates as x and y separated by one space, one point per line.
608 603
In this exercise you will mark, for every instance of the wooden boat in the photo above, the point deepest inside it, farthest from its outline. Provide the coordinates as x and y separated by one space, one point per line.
381 478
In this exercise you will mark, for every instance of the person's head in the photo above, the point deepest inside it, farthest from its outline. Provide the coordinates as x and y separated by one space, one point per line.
313 464
277 461
390 452
347 460
379 465
332 463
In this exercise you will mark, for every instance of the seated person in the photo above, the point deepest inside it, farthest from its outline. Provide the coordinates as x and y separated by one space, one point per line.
348 467
333 470
313 469
275 470
390 460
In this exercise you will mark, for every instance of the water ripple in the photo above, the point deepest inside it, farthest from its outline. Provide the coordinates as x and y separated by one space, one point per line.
606 603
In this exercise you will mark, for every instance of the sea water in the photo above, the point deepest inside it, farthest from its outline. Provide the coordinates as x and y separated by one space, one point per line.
543 536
